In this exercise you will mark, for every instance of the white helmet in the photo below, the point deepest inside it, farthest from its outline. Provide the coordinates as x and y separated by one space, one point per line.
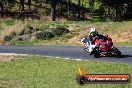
93 32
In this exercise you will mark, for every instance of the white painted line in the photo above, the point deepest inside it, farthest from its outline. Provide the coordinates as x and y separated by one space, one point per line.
67 58
44 56
78 59
14 54
57 57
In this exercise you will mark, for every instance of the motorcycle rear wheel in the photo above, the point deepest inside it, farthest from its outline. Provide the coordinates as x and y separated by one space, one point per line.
116 53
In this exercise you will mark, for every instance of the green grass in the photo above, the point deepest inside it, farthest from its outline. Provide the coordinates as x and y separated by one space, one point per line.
124 43
1 29
10 22
43 72
34 42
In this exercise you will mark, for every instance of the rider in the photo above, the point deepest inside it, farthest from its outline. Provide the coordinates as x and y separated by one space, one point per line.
90 39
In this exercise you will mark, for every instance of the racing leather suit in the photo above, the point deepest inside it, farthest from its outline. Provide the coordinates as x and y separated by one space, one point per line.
107 43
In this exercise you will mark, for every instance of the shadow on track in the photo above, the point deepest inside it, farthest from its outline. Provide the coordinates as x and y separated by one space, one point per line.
126 56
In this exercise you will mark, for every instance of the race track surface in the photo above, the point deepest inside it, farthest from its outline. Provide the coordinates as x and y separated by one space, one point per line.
74 52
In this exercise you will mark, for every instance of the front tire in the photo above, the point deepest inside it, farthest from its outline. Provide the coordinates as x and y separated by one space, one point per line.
96 52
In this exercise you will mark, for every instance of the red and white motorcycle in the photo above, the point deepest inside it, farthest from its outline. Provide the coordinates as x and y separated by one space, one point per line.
99 49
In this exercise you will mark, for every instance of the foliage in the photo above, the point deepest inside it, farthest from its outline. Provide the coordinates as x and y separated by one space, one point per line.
35 31
68 9
116 8
44 35
9 37
9 22
52 32
59 30
68 35
25 31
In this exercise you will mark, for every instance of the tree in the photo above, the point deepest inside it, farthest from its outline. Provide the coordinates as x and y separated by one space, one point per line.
79 3
1 8
83 9
53 10
117 7
29 5
91 4
60 7
68 4
21 9
6 6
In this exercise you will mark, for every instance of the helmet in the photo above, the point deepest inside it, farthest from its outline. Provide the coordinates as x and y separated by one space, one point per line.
93 32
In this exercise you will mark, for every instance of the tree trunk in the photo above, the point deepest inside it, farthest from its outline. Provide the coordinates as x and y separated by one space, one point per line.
1 9
47 1
79 8
91 4
83 10
53 10
29 5
69 3
61 7
116 11
21 8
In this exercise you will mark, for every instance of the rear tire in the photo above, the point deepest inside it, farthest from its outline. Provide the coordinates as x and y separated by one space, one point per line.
116 52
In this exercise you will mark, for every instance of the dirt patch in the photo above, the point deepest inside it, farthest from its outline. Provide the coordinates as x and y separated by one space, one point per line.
7 58
74 41
123 36
72 27
118 32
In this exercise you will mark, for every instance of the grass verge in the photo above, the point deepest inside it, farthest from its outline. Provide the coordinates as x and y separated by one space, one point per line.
24 32
43 72
124 43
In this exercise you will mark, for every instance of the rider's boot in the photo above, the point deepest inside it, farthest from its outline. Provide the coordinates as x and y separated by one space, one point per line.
86 49
91 52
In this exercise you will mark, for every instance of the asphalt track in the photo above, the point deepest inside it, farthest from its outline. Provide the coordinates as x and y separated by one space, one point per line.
74 52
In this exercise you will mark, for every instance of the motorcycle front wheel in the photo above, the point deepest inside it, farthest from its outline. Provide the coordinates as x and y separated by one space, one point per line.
96 52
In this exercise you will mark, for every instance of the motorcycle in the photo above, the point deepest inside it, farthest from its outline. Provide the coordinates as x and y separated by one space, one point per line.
98 49
102 50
